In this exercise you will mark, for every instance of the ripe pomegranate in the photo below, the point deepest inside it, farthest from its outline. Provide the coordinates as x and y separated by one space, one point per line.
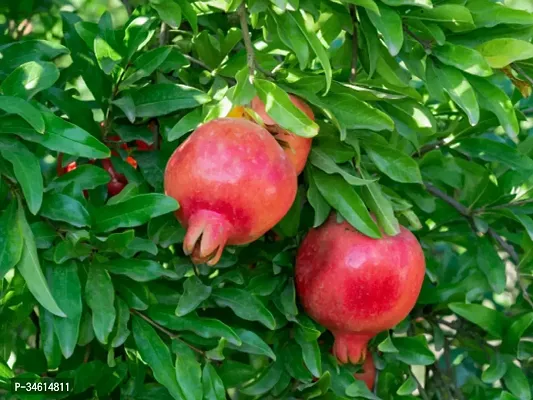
296 147
233 182
368 374
357 286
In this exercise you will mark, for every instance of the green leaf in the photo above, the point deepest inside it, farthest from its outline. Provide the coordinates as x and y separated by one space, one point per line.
203 327
66 288
121 331
490 264
29 79
305 24
139 270
413 350
30 268
100 297
212 384
360 390
317 201
188 371
418 3
413 114
11 239
396 165
83 177
381 207
132 212
194 293
244 91
463 58
386 346
408 387
27 171
455 17
490 150
290 34
17 53
186 124
494 99
458 88
189 13
60 207
164 98
146 64
322 161
341 196
156 354
389 24
244 305
495 371
515 332
252 344
168 11
499 53
138 33
516 381
310 352
49 343
106 55
488 14
280 108
16 105
265 381
489 320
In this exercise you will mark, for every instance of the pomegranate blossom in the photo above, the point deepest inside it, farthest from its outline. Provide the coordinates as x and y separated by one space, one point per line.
357 286
233 182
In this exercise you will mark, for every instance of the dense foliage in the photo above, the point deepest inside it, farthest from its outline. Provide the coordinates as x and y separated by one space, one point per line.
423 118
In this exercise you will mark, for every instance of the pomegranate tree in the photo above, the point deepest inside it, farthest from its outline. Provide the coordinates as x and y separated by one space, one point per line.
357 286
296 147
233 182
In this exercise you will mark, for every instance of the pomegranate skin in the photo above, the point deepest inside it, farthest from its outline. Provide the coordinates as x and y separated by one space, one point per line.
233 182
296 147
357 286
368 374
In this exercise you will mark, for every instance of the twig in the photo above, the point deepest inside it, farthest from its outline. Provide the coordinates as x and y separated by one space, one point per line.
504 206
522 72
250 55
163 34
198 62
428 147
170 334
424 43
421 390
461 209
353 70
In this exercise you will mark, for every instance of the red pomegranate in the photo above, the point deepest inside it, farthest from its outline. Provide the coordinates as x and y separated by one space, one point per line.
233 182
296 147
368 374
357 286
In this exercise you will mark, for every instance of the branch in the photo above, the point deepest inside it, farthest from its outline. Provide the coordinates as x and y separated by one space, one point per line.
163 34
250 55
198 62
165 331
353 70
424 43
461 209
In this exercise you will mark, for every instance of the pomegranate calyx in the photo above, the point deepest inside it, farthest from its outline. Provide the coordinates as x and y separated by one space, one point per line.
350 347
207 234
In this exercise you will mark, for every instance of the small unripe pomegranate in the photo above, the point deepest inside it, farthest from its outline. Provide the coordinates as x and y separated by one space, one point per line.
368 374
233 182
357 286
296 147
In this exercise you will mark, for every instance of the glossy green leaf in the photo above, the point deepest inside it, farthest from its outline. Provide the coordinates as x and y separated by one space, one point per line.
389 24
212 384
322 161
292 37
368 4
60 207
133 212
358 389
381 207
265 381
341 196
280 108
100 297
29 79
188 371
156 354
252 344
19 52
83 177
11 239
488 14
516 381
194 293
146 64
139 270
310 352
515 332
120 332
455 17
408 387
393 163
317 201
495 371
169 12
463 58
418 3
490 320
413 350
490 150
244 305
501 52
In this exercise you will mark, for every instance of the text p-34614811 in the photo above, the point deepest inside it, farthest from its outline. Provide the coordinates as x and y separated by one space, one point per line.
41 385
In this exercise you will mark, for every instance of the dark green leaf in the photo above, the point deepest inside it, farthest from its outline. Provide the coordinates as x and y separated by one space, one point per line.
490 150
322 161
194 293
168 11
517 382
265 381
358 389
212 384
83 177
11 239
463 58
413 350
139 270
188 371
455 17
489 320
252 344
389 24
395 164
100 297
516 331
60 207
29 79
495 371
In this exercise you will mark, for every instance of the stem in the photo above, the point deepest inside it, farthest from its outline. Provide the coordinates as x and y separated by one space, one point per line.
353 70
522 72
448 199
250 55
421 390
198 62
424 43
163 34
171 335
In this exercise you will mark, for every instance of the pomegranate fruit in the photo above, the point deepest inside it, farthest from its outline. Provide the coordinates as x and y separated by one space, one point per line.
357 286
368 374
233 182
296 147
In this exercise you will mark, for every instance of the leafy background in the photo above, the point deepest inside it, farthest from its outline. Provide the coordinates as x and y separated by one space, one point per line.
424 118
